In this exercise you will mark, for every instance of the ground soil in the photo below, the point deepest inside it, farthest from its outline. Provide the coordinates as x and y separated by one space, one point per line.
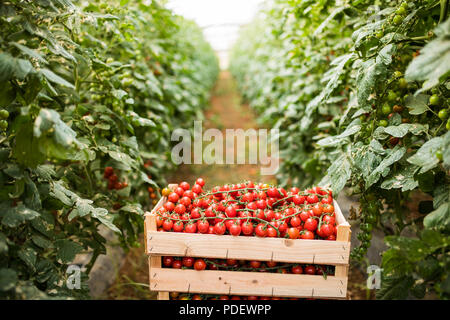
226 111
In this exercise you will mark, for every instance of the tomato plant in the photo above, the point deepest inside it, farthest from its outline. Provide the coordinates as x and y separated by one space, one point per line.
359 91
89 92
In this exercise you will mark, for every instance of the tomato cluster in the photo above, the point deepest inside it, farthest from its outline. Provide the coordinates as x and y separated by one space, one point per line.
113 179
248 209
245 265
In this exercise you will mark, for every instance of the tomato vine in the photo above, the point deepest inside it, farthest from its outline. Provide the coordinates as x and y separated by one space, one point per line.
86 85
359 90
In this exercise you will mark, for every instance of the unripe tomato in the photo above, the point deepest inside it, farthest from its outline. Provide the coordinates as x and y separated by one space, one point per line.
434 100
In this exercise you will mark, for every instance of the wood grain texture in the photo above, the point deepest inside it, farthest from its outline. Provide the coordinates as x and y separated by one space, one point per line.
248 248
247 283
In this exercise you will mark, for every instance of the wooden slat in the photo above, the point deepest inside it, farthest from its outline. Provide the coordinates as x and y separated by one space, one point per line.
247 283
248 248
340 219
154 262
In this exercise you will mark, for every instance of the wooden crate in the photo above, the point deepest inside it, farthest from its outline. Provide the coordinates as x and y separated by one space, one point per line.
165 280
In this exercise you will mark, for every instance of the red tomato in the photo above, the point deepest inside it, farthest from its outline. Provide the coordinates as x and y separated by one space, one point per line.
271 232
202 226
180 191
317 210
269 215
311 224
219 228
167 225
329 219
180 209
199 264
312 198
261 204
310 270
173 197
247 228
169 206
297 269
295 190
261 230
293 233
230 211
188 262
306 234
177 264
298 199
305 215
185 185
327 200
200 182
235 229
255 264
197 189
167 261
191 195
295 221
191 228
327 208
195 213
178 226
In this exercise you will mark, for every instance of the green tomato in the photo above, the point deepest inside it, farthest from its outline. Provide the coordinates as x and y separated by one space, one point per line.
401 10
443 114
447 125
386 109
391 95
366 227
4 114
434 100
383 123
3 125
439 155
397 74
379 34
397 20
402 83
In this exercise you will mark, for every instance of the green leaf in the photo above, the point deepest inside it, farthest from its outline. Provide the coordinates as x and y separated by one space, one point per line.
433 63
66 250
54 78
26 148
403 179
42 242
394 287
425 157
417 104
11 67
8 279
15 216
29 256
439 218
334 140
3 244
30 52
383 168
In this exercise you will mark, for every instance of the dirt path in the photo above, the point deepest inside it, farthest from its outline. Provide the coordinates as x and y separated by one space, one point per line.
226 112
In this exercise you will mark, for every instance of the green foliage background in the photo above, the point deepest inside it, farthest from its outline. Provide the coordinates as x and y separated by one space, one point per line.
87 84
359 90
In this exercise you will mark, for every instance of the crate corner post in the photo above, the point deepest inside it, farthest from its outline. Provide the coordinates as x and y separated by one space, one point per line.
154 261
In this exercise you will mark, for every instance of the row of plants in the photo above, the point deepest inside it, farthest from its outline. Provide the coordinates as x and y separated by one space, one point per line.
359 90
89 94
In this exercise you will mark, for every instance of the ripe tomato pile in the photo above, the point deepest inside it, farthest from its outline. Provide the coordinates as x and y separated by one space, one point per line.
248 209
113 179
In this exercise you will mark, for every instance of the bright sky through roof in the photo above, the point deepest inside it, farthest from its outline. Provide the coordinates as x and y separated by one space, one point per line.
220 19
